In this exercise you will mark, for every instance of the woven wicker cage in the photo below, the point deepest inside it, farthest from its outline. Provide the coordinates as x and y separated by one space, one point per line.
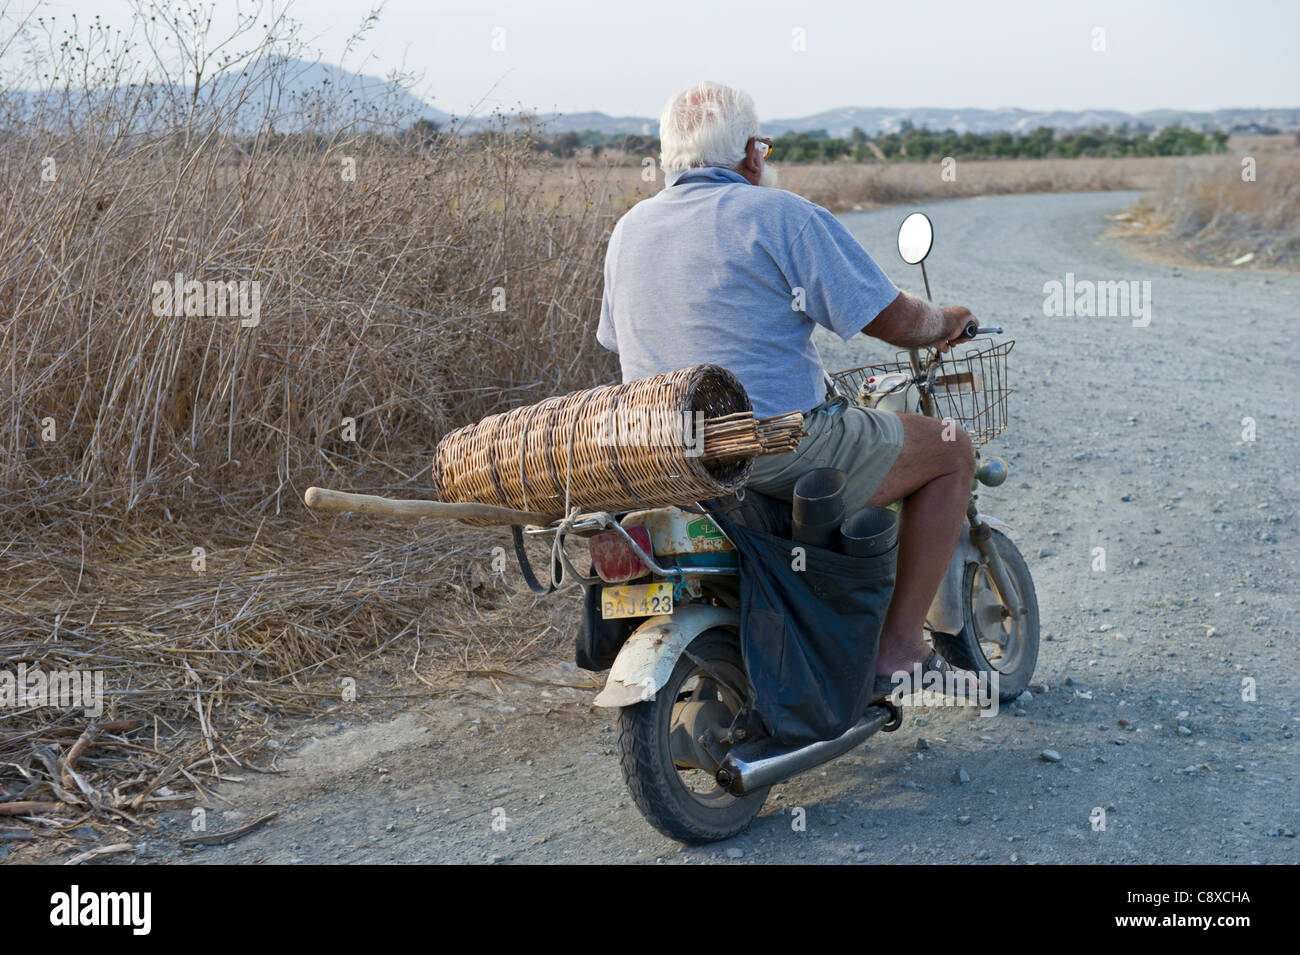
537 457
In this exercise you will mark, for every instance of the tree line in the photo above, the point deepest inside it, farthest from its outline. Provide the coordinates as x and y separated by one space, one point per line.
919 144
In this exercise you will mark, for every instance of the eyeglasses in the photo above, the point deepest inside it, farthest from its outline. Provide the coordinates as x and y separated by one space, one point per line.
766 145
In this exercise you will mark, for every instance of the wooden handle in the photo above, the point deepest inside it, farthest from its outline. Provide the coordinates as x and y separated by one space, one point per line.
323 499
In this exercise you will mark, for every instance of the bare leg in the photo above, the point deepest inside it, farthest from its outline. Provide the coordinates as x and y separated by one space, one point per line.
933 477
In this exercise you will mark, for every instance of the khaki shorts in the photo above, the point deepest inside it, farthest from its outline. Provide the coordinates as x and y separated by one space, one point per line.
861 442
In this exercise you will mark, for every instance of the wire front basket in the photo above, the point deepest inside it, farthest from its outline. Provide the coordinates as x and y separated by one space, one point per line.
970 388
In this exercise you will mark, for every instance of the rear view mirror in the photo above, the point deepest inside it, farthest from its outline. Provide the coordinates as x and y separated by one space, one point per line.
915 238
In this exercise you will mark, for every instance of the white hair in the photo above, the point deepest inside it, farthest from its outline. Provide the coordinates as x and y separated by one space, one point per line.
706 125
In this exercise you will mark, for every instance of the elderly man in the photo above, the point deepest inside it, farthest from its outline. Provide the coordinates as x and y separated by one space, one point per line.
714 269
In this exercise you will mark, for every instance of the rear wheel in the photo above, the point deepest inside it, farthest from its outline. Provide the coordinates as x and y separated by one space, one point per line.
991 640
670 747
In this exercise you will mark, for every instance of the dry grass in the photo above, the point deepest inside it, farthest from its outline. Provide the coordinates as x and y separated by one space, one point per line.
201 669
864 186
1199 208
1209 214
846 186
376 304
129 439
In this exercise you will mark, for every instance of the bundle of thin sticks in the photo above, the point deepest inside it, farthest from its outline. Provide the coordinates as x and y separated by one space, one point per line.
741 435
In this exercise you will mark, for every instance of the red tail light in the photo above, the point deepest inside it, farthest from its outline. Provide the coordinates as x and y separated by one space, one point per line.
615 561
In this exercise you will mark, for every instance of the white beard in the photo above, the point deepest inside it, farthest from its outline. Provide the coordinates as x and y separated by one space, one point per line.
770 176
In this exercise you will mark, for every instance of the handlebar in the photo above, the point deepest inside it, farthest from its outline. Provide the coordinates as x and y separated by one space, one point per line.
974 328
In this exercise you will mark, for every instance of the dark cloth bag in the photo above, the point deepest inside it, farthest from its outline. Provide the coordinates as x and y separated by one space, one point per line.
809 637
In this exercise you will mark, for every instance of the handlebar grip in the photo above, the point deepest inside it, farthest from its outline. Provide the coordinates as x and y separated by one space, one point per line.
974 328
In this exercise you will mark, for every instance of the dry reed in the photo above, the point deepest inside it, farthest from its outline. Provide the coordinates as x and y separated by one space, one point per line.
408 285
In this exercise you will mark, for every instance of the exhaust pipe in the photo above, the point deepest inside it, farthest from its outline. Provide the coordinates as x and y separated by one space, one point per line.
753 766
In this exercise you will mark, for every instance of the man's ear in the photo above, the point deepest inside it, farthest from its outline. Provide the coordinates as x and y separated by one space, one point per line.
751 167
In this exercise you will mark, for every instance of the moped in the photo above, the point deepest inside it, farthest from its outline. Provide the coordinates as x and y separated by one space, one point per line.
696 763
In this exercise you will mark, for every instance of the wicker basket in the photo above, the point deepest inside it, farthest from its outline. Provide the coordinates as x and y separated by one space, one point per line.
537 457
970 389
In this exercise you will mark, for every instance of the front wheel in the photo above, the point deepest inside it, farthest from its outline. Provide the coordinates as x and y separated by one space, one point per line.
670 747
991 639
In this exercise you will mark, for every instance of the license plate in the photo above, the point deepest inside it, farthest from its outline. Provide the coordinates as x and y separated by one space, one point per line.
636 600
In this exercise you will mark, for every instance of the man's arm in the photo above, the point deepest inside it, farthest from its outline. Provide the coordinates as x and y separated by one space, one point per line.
606 334
911 322
843 285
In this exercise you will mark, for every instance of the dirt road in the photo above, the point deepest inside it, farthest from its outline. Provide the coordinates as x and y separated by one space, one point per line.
1121 437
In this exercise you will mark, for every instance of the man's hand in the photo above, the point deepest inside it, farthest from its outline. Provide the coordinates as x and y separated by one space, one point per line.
911 322
957 318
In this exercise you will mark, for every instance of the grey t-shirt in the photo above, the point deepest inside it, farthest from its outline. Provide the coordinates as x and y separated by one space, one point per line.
714 270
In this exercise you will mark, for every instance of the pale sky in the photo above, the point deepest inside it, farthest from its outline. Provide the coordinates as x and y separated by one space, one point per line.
626 58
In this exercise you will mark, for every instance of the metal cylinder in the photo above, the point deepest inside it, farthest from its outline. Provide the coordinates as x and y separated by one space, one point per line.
818 507
869 532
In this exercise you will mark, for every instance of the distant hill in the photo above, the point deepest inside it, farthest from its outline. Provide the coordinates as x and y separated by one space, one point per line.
305 82
301 86
288 89
876 120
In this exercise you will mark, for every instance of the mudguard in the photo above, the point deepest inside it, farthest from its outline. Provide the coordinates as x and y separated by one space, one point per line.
947 615
647 659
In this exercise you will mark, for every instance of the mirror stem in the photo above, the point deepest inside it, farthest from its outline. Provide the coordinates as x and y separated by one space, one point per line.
927 401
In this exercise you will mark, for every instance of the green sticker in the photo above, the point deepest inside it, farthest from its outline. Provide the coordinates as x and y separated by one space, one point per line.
702 527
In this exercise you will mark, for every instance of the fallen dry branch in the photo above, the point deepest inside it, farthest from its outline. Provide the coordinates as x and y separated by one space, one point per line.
115 726
221 838
84 741
27 807
99 851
